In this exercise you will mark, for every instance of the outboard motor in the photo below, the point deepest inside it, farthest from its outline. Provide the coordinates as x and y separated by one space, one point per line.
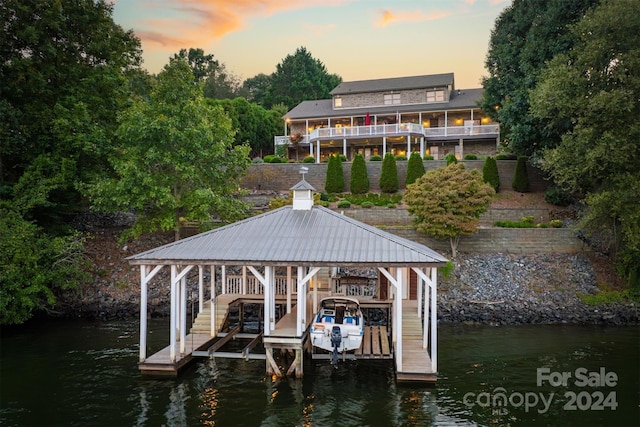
336 340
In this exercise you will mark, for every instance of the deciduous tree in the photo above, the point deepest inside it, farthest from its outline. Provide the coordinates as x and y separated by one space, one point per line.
177 160
447 202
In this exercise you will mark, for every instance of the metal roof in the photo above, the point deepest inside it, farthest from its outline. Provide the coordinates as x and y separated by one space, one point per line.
283 237
396 83
323 108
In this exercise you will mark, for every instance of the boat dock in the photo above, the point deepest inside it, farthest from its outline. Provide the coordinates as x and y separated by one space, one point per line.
376 344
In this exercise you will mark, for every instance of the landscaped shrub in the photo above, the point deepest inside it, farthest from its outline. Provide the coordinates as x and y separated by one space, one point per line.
415 168
359 181
520 177
257 160
342 157
324 197
389 175
334 182
367 205
470 157
556 223
375 199
428 157
309 159
401 158
269 157
490 173
505 156
344 204
273 158
451 158
375 158
391 205
557 196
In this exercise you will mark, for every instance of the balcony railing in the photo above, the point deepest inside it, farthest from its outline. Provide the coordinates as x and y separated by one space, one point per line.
399 129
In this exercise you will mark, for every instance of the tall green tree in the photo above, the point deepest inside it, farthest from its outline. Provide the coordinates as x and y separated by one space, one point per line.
526 35
415 168
389 182
334 181
447 202
490 173
177 160
300 77
64 79
595 88
359 180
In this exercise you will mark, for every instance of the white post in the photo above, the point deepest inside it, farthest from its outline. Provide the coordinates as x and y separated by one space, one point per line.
143 313
427 319
384 146
183 315
288 289
244 280
420 284
172 322
318 151
315 293
422 147
408 146
213 301
344 146
223 277
300 290
446 123
267 306
270 276
434 320
399 319
200 289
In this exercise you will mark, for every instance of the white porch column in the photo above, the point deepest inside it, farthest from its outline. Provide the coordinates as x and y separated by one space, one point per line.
318 151
384 146
143 313
408 146
434 321
172 321
446 123
344 147
288 289
422 147
200 289
223 277
244 280
183 315
213 332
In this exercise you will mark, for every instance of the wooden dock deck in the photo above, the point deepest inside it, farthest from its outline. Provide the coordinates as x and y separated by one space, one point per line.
375 344
159 364
416 363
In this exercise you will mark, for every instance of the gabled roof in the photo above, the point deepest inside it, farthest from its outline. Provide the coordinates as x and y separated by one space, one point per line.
396 83
283 237
323 108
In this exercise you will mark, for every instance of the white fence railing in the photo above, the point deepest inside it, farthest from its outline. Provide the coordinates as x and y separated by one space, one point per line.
254 287
365 289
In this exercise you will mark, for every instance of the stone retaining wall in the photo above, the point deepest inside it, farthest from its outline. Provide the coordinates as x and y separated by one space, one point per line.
282 176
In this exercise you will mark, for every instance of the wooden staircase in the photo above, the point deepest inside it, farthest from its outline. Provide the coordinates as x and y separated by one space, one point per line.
202 322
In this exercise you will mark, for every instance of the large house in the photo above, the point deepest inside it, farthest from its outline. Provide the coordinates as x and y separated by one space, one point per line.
424 114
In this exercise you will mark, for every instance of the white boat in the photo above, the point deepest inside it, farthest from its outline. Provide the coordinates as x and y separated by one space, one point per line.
338 326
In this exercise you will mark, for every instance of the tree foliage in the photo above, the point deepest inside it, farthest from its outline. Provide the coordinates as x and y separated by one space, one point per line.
300 77
334 181
526 35
389 182
35 267
63 74
359 180
595 88
520 181
177 161
415 168
447 202
217 82
490 173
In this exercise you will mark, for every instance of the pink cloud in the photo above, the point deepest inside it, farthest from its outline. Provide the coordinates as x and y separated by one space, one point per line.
388 17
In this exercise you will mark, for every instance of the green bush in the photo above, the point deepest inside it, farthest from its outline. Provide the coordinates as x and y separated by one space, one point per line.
257 160
375 199
359 181
375 158
470 157
367 205
334 182
391 205
323 203
514 224
520 178
309 159
557 196
529 219
344 204
324 197
505 156
490 173
389 175
273 158
428 157
451 159
401 158
556 223
415 168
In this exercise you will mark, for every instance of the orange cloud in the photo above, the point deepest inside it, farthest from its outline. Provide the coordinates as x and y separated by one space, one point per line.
387 17
193 21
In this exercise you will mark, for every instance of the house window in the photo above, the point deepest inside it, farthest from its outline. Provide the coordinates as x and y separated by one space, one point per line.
435 96
337 102
392 99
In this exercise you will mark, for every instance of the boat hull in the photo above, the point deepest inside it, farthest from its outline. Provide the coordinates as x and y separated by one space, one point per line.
338 325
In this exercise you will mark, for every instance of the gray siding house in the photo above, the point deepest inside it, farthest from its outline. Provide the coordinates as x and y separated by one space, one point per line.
424 114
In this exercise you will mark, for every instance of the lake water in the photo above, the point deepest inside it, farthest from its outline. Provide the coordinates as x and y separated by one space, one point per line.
84 373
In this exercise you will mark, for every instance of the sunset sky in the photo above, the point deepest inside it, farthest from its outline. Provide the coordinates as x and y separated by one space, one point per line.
356 39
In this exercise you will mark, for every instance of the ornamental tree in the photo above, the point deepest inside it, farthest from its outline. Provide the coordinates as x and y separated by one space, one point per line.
389 174
490 173
359 181
334 181
415 168
177 161
447 202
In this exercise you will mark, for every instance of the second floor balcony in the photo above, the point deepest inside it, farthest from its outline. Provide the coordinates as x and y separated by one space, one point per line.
394 130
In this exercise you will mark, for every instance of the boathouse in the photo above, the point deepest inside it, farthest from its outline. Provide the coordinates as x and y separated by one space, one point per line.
309 241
